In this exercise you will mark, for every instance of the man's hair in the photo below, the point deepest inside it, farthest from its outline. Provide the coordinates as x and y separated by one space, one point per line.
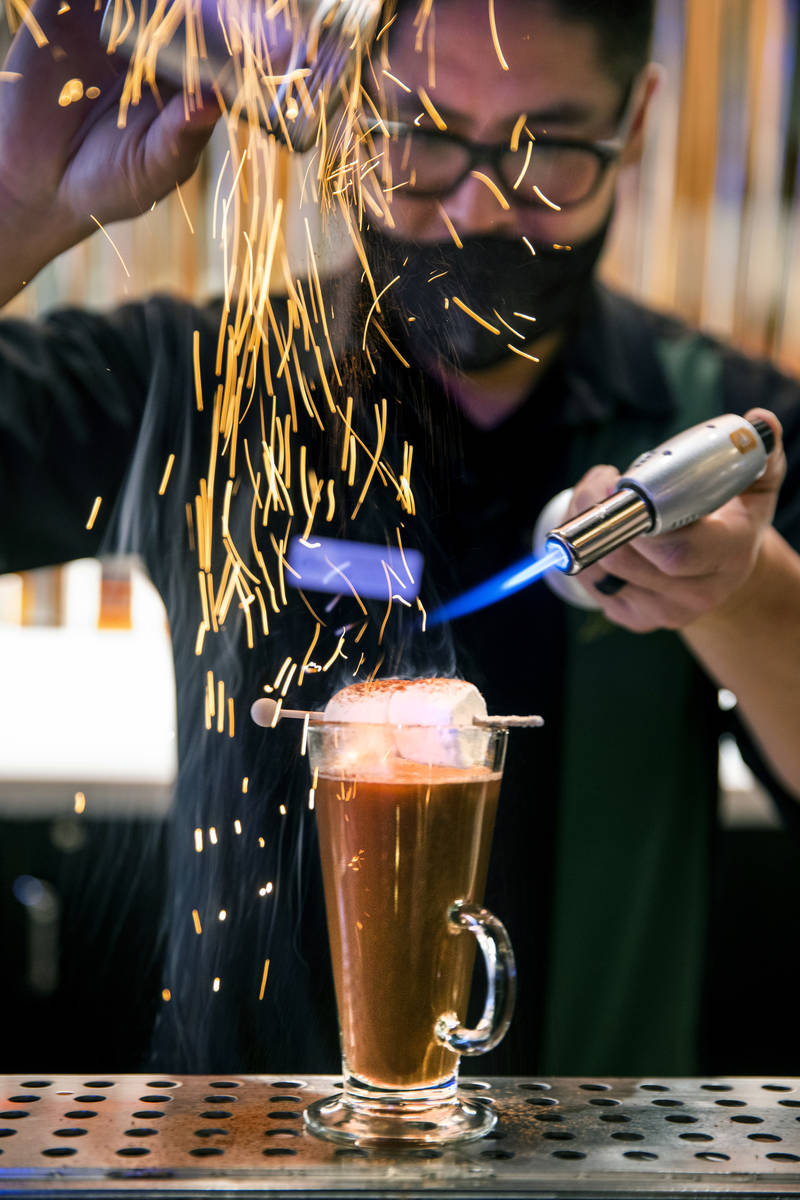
624 29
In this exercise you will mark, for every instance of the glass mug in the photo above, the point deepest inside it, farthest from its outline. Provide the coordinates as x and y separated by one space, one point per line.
405 816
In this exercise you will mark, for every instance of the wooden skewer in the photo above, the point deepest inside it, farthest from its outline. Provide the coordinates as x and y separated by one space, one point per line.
267 713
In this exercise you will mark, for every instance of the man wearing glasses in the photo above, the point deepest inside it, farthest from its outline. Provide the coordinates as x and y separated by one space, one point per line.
513 375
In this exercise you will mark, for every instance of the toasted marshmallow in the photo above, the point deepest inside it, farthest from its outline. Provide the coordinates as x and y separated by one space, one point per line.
426 716
408 702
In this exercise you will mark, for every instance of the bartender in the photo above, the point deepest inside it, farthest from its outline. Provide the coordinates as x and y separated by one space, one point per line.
602 866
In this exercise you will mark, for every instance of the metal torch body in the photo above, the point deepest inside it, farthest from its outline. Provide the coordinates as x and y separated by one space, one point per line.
680 481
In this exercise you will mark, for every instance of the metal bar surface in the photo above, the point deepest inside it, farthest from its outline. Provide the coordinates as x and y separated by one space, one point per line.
182 1136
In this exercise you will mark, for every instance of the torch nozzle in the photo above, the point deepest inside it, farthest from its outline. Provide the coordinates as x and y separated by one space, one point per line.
600 529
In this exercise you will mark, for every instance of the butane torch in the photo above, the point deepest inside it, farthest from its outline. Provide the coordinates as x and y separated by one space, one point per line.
680 481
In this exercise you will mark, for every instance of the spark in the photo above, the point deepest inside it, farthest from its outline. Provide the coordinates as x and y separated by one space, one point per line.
475 317
533 252
264 979
516 131
261 843
431 109
80 802
237 826
95 510
394 79
198 928
513 330
212 835
495 39
304 737
451 229
544 200
162 487
111 242
182 204
198 840
311 798
216 984
523 316
282 810
245 784
493 188
421 608
532 357
22 11
222 914
525 165
375 307
166 995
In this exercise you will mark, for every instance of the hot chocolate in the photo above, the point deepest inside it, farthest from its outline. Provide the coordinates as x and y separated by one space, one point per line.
400 843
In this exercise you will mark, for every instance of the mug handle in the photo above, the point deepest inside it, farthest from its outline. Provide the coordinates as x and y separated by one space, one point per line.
501 982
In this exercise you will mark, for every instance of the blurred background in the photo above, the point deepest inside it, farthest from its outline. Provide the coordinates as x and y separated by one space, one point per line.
709 229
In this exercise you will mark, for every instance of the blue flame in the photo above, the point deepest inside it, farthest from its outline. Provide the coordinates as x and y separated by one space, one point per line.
502 585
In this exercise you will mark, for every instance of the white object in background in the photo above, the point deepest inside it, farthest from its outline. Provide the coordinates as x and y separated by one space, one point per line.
11 600
86 706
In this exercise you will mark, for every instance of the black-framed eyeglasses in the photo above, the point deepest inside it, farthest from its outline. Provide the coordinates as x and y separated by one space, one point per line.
544 171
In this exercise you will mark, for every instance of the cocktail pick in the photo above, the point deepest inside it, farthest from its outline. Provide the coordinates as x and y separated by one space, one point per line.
267 712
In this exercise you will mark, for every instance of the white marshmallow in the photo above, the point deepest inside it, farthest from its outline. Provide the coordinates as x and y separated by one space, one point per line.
429 718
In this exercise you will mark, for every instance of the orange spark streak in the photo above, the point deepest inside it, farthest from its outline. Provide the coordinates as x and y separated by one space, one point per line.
495 39
264 979
516 131
198 928
431 109
525 165
95 510
474 315
544 200
493 188
162 487
451 229
111 242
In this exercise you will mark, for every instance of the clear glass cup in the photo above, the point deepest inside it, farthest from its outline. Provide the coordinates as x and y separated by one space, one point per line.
405 816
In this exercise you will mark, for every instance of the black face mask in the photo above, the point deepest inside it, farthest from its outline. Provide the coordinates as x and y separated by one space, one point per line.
488 274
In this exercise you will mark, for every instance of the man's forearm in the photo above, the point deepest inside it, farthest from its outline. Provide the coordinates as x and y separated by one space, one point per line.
752 646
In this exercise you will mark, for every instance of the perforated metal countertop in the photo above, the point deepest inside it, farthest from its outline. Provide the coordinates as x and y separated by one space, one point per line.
189 1136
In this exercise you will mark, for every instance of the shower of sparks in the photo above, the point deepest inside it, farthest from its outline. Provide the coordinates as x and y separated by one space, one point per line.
495 38
95 510
80 802
276 363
